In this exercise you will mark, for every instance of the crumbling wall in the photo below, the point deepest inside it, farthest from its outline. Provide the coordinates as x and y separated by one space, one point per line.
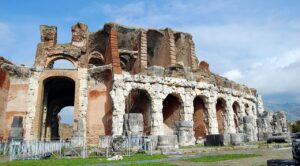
4 89
183 43
271 123
158 48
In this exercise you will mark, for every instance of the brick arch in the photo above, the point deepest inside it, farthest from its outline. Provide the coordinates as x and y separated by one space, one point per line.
172 111
221 111
139 101
200 116
50 60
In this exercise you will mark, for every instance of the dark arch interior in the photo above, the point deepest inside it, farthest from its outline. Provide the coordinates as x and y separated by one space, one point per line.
220 108
94 62
172 107
199 118
139 101
59 92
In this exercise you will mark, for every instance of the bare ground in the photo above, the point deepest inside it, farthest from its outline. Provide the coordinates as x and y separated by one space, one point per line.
267 154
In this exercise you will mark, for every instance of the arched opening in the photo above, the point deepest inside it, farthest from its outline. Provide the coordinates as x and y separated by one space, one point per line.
139 101
95 62
172 108
199 118
61 64
236 115
59 92
220 108
66 121
127 61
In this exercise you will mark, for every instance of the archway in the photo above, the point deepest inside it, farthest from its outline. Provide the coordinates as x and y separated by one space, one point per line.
59 92
172 108
220 109
236 114
139 101
66 122
199 118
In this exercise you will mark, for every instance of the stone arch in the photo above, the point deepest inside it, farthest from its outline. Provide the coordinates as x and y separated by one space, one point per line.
59 92
200 117
139 101
51 60
96 59
221 114
37 121
172 112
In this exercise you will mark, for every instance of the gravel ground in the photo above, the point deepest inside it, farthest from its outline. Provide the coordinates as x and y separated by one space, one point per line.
267 154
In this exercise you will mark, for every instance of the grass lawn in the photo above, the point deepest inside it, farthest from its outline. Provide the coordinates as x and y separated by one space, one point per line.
216 158
153 164
78 161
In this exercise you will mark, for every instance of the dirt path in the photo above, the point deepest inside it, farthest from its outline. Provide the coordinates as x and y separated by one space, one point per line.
267 154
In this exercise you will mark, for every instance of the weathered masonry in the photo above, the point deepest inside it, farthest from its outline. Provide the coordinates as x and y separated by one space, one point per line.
120 71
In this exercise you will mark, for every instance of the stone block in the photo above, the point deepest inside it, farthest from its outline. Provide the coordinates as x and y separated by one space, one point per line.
214 140
237 138
133 124
167 142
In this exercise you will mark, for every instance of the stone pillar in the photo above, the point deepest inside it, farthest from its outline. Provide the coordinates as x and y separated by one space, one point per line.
143 50
79 34
118 100
249 128
212 117
48 35
260 104
157 123
230 126
82 102
32 120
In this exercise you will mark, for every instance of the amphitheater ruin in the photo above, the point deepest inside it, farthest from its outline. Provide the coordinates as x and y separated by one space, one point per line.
128 81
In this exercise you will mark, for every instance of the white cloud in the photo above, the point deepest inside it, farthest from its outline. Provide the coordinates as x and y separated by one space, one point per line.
234 74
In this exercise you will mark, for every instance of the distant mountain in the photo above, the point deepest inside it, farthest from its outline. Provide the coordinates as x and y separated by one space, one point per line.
292 110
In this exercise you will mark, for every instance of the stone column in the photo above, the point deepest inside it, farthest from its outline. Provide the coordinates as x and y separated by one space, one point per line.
157 124
212 116
260 104
229 117
31 124
118 99
82 102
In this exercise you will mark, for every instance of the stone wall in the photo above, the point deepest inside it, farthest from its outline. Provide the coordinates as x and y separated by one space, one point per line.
160 87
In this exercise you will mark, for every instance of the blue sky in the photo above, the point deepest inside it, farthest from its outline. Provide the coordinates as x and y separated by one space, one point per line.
256 43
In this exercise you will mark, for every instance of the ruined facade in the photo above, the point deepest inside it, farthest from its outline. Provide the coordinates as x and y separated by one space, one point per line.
118 71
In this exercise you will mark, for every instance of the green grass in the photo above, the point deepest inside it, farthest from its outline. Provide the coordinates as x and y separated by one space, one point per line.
216 158
153 164
78 161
